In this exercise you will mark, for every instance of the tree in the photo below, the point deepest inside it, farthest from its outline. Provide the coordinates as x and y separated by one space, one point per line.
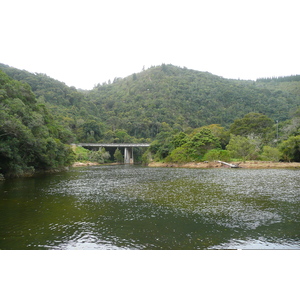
179 155
195 147
121 136
290 149
252 123
202 142
217 154
179 139
292 127
270 154
90 131
241 147
99 156
219 132
162 145
118 156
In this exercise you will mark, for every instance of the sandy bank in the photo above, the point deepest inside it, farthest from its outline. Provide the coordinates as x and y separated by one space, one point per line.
89 163
84 164
246 165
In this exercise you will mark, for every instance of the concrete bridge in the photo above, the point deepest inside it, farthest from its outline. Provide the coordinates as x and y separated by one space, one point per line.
128 148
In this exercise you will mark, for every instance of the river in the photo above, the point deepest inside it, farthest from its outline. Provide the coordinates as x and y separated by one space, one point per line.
133 207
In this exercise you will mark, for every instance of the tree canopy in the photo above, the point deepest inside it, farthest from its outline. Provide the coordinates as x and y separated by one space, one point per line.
252 123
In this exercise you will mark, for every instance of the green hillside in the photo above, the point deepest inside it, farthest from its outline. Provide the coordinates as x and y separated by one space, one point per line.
141 105
66 104
48 89
185 98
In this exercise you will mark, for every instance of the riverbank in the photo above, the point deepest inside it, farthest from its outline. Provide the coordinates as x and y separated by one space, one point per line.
246 165
84 164
90 163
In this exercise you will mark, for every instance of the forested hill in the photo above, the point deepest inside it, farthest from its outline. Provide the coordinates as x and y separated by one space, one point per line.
143 104
30 138
183 97
44 87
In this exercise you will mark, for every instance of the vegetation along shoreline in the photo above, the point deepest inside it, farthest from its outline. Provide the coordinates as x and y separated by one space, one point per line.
189 119
245 165
207 165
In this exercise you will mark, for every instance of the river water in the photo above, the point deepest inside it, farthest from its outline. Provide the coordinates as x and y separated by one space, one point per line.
132 207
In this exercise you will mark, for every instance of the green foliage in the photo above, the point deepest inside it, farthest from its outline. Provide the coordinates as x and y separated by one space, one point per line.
118 156
217 154
183 98
121 136
241 147
145 104
218 131
252 123
146 157
90 131
180 155
82 154
195 146
290 149
280 79
270 154
41 85
29 136
202 142
291 127
162 146
100 156
179 139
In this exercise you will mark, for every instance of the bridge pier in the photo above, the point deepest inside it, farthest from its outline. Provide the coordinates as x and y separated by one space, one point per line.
128 155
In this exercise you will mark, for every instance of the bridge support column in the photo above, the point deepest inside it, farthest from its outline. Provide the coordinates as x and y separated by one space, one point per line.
128 155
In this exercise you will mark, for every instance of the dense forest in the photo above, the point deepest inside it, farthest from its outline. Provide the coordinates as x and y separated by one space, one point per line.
188 115
30 138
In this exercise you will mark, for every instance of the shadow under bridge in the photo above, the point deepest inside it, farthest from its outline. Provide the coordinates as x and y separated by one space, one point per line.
128 148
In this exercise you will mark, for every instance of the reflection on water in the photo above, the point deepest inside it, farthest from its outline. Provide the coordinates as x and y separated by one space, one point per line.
127 207
261 244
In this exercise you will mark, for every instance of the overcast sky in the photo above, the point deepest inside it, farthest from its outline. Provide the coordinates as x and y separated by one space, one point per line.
86 42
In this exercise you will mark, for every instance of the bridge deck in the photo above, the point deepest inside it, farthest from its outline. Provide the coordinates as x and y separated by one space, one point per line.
125 145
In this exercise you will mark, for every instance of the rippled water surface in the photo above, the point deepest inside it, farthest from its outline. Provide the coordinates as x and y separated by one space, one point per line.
129 207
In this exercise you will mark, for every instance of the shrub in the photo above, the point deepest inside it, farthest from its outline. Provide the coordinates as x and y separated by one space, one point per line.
179 155
270 154
217 154
290 149
82 154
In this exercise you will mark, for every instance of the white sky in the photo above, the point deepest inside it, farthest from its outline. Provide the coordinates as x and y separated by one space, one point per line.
86 42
